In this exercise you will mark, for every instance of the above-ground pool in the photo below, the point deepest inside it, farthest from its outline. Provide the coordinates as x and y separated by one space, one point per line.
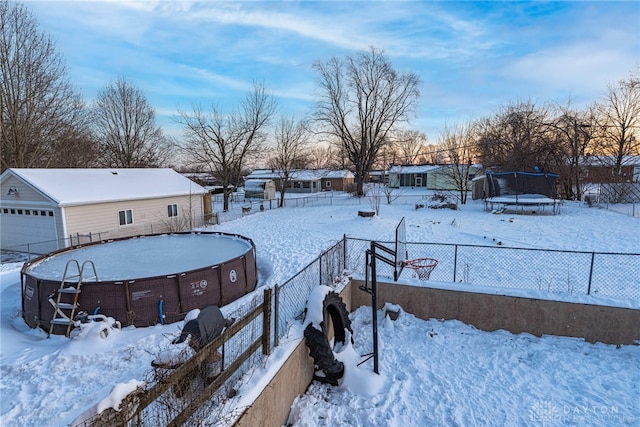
143 280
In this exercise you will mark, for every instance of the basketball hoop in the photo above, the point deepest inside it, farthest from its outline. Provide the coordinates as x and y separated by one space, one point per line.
422 266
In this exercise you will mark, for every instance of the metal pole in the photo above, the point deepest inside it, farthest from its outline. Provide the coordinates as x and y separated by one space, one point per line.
593 255
455 263
374 308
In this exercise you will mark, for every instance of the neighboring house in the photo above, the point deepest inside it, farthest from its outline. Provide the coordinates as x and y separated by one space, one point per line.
204 179
378 177
307 180
604 185
598 170
430 177
260 189
58 207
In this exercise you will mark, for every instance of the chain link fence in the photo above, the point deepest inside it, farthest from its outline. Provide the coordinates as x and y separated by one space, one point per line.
239 206
291 297
197 391
559 272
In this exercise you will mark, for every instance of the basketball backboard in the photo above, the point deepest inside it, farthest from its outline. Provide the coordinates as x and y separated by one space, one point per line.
401 253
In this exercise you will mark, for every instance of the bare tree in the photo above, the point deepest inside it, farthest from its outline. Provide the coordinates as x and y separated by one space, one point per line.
432 154
290 151
125 126
516 138
410 144
458 144
618 124
322 157
222 143
571 130
362 100
40 109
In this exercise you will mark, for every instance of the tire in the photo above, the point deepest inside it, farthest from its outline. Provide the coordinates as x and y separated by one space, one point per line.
318 342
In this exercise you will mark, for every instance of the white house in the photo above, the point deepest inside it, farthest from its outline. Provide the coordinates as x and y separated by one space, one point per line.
307 180
431 177
42 210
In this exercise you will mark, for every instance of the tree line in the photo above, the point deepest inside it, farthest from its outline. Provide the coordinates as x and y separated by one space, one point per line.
359 122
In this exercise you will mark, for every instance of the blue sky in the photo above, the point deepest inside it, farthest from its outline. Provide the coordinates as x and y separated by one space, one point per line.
472 57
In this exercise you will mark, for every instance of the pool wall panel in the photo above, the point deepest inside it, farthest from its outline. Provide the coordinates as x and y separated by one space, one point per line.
137 301
145 297
106 298
233 279
31 301
200 289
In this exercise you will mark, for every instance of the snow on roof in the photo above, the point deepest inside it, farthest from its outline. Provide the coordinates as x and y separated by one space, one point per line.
409 169
300 174
609 160
406 169
70 187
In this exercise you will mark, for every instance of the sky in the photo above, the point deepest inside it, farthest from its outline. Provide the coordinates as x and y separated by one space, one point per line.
432 372
472 57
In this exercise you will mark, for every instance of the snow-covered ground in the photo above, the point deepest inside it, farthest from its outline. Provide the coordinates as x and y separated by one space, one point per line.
432 372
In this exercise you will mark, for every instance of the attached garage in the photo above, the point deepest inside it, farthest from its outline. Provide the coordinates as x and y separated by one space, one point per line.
42 210
20 225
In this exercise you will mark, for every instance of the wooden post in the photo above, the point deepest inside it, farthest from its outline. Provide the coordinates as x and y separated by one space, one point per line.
266 322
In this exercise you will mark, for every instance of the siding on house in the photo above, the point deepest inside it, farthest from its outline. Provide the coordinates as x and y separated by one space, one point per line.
82 202
149 216
307 180
432 177
28 198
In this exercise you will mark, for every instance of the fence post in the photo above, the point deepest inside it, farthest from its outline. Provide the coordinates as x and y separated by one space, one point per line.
455 263
276 315
266 323
344 252
593 255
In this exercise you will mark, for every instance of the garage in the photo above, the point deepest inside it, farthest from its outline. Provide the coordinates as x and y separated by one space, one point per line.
20 225
42 210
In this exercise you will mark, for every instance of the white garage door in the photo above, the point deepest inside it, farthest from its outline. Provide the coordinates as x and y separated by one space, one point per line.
35 227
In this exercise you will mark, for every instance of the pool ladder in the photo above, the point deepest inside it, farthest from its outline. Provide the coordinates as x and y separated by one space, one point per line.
66 302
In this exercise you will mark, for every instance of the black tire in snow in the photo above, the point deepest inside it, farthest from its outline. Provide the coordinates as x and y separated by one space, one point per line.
333 308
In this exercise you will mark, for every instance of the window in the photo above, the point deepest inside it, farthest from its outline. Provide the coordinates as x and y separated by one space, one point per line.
172 210
126 217
328 184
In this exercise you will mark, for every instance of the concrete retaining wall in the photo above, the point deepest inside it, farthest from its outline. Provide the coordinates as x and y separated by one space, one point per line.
487 312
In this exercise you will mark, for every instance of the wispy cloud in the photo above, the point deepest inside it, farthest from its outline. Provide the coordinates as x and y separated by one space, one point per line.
470 56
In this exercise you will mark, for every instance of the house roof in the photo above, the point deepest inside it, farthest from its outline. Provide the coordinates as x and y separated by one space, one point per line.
301 174
609 160
69 187
409 169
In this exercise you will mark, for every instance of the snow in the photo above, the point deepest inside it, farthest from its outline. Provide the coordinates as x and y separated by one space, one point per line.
315 315
69 187
523 199
446 373
432 372
147 256
113 400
